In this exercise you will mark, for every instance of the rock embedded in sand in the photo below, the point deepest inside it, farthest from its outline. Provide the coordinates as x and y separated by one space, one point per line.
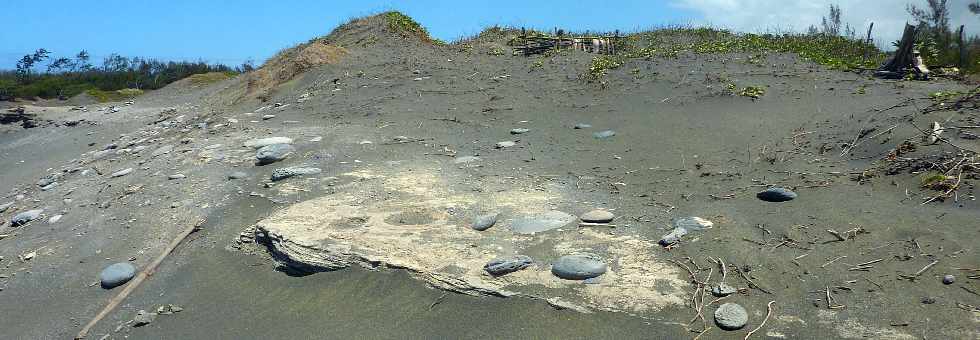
176 176
117 274
25 217
237 175
519 131
466 159
273 153
578 266
54 219
597 216
542 222
47 180
484 222
5 206
121 173
259 143
948 279
604 134
776 194
505 144
683 226
506 265
284 173
722 290
143 318
267 117
580 126
731 316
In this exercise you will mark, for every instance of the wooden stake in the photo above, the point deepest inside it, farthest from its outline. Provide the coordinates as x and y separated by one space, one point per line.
147 272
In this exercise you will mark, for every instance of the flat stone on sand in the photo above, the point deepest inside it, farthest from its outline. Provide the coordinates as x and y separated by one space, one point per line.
723 289
273 153
543 222
578 267
519 131
604 134
731 316
506 265
259 143
598 216
505 144
25 217
580 126
117 274
122 172
776 195
237 175
692 223
484 222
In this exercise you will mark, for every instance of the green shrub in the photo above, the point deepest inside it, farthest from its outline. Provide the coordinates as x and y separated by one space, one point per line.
114 96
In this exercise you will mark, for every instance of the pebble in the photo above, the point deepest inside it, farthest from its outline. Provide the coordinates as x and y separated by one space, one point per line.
121 173
117 274
267 117
597 216
143 318
948 279
47 180
723 289
316 139
284 173
604 134
273 153
54 219
543 222
5 206
25 217
259 143
176 176
49 186
731 316
169 309
466 159
506 265
519 131
237 175
484 222
578 266
505 144
581 126
776 195
692 223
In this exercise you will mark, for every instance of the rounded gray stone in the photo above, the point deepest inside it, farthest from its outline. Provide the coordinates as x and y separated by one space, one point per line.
542 222
273 153
237 175
948 279
117 274
122 172
580 126
776 195
597 216
731 316
504 144
604 134
519 131
578 266
723 289
25 217
484 222
506 265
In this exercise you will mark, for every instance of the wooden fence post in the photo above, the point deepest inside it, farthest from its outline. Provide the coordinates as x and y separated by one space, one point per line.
962 43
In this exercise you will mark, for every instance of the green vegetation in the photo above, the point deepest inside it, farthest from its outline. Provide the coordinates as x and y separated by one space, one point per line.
209 78
402 24
113 96
753 92
602 64
67 77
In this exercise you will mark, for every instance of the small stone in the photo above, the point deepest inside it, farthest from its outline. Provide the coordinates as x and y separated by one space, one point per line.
578 266
121 173
47 180
604 134
5 206
316 139
143 318
723 289
466 159
117 274
284 173
267 117
597 216
948 279
581 126
49 186
237 175
259 143
731 316
505 144
484 222
673 237
776 195
519 131
25 217
54 219
692 223
928 300
176 176
273 153
507 265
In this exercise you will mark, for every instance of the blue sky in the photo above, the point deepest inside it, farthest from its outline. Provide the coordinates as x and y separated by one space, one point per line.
235 31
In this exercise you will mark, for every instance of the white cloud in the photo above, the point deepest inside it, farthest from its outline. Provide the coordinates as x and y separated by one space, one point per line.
889 16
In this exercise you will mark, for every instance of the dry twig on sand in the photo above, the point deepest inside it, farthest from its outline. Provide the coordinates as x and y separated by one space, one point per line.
768 313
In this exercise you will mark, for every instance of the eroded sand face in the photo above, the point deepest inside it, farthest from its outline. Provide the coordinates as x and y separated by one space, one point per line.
422 236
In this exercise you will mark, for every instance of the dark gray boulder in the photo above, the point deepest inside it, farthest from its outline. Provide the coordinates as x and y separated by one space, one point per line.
117 274
273 153
776 195
484 222
578 266
25 217
507 265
